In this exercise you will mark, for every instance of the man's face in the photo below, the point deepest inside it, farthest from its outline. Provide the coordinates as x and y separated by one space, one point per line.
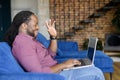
32 26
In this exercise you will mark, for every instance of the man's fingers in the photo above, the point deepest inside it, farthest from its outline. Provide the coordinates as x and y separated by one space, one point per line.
53 24
49 23
46 23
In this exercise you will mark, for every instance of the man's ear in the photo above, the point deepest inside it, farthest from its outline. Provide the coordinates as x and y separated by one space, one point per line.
24 26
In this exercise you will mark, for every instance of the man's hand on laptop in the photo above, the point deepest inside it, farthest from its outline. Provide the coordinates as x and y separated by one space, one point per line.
71 63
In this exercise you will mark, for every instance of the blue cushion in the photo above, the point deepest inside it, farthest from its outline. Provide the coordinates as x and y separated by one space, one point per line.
43 40
68 45
72 54
31 76
46 42
103 60
7 61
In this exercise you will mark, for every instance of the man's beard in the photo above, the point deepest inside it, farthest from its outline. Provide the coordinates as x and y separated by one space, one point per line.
32 33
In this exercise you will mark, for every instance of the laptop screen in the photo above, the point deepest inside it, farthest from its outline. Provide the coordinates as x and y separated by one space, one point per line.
90 53
92 48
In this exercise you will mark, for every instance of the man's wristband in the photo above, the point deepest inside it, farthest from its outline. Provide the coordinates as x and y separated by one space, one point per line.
52 38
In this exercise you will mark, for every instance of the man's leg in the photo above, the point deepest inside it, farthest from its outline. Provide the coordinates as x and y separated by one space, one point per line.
88 73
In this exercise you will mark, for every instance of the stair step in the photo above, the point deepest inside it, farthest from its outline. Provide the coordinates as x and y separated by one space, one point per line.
69 33
111 3
108 7
87 21
78 27
115 0
114 3
105 9
96 15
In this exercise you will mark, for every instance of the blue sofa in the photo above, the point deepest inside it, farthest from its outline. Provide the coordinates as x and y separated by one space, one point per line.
11 70
69 49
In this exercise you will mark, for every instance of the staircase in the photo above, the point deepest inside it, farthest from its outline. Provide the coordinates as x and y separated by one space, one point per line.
98 13
90 17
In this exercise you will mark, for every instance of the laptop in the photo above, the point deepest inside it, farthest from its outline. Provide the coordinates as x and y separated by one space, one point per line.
89 60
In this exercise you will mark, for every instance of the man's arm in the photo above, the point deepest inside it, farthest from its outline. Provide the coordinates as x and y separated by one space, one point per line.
67 64
53 45
53 34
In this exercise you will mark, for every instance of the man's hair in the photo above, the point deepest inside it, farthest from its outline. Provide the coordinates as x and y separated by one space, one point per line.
21 17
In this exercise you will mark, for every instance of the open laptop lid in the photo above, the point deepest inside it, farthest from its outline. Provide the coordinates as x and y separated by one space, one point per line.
92 48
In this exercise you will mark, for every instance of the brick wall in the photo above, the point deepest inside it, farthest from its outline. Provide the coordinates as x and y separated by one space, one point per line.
69 13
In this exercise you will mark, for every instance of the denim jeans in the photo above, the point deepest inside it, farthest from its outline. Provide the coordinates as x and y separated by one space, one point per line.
87 73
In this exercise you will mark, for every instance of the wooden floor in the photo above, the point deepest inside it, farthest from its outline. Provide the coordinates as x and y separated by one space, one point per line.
116 73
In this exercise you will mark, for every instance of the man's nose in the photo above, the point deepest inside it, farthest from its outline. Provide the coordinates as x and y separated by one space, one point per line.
37 27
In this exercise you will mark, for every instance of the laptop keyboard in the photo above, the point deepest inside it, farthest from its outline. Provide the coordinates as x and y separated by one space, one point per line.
87 61
84 62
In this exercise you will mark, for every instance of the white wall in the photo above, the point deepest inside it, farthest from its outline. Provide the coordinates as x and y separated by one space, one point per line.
18 5
43 15
39 7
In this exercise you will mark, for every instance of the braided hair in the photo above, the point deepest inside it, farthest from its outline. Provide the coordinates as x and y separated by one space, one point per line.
21 17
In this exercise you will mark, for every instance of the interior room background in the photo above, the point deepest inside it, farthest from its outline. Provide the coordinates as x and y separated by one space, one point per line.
73 17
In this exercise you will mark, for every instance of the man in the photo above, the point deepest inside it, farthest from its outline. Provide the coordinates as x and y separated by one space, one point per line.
34 57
